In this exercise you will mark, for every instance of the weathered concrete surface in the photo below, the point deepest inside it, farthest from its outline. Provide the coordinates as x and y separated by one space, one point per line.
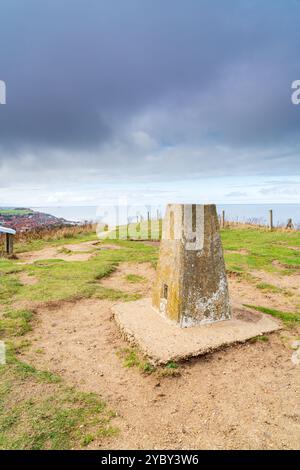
191 285
162 340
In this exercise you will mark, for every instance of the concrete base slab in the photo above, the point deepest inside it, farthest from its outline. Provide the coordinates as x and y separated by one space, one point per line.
163 341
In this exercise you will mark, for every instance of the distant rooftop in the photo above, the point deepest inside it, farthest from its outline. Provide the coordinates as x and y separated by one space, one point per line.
11 231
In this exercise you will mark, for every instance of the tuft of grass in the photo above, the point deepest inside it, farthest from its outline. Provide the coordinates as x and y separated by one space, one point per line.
132 358
288 318
64 251
260 338
115 294
87 439
268 288
171 369
134 278
15 323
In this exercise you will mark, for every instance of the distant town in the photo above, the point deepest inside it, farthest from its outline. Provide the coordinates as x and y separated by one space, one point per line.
24 219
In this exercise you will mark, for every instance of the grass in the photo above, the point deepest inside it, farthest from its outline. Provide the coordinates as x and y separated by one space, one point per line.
67 280
260 338
288 318
269 288
37 409
115 294
134 278
15 322
62 419
263 247
132 358
53 236
15 212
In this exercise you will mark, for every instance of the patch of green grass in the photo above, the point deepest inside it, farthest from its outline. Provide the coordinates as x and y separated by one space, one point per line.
67 280
61 418
132 358
64 251
269 287
134 278
287 318
172 365
52 417
87 439
10 285
15 323
260 338
171 369
115 294
263 248
108 431
14 212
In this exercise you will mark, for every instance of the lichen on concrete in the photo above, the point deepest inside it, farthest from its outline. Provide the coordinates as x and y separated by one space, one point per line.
191 285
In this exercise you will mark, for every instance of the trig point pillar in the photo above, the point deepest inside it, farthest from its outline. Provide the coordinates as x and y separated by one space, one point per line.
191 284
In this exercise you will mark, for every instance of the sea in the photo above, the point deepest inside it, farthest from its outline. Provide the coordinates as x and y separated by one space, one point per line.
253 213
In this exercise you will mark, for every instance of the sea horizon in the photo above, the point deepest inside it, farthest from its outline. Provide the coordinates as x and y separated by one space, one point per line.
255 213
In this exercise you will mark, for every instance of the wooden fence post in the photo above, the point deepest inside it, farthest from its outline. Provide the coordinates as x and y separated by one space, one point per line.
290 224
160 222
9 244
127 229
270 219
223 219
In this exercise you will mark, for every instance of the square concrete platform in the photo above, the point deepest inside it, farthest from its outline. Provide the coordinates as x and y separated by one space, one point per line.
162 340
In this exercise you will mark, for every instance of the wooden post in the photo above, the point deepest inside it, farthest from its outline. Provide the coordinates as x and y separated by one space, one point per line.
127 230
290 224
9 244
270 219
223 219
160 222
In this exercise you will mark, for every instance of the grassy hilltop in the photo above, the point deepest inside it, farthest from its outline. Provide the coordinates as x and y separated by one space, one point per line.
62 417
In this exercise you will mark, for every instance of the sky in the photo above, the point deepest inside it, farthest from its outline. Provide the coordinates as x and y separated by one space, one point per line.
155 101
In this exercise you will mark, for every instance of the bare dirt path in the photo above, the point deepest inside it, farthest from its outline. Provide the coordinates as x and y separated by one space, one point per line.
244 397
69 252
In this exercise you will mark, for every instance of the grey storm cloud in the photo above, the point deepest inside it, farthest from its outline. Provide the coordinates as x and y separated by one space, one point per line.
150 86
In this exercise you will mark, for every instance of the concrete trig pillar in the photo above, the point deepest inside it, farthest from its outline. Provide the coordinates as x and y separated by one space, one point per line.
191 284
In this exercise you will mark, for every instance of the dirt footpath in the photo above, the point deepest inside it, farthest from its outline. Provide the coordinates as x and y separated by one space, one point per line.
245 397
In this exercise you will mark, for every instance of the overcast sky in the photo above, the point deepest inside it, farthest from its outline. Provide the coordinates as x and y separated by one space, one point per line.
163 99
